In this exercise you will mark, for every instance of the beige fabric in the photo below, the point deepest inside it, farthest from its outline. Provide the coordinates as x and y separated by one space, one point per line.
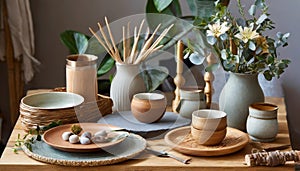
21 27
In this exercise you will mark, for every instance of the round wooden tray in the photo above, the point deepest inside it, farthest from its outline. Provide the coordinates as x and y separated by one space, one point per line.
180 139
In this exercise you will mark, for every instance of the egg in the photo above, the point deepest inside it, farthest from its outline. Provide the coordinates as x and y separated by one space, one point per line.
101 133
65 136
73 139
84 140
87 135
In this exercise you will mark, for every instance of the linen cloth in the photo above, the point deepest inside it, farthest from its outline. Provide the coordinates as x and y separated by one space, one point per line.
21 28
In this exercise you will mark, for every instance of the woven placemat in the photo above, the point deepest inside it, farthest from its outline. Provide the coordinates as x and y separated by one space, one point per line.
127 149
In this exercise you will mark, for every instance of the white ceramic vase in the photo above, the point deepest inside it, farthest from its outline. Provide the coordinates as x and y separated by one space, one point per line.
126 83
239 92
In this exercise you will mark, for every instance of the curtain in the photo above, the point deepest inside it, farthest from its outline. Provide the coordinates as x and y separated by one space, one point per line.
22 35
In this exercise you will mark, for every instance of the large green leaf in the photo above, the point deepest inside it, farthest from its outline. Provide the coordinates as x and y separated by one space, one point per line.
106 65
81 42
161 5
154 76
172 9
74 40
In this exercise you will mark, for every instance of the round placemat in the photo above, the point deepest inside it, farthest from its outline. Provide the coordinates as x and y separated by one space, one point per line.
181 140
126 120
127 149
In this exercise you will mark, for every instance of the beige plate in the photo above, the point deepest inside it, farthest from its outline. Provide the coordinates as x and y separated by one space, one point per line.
53 137
180 139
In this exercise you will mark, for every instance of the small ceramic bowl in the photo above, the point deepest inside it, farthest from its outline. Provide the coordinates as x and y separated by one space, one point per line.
208 119
208 137
148 107
52 100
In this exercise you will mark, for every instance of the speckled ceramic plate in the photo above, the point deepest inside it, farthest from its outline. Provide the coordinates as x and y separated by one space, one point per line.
53 137
127 149
52 100
181 140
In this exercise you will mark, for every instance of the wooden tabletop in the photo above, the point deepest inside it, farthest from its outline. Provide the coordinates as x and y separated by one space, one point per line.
11 161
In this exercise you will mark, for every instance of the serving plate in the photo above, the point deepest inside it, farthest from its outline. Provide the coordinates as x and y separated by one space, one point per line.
53 137
52 100
132 146
180 139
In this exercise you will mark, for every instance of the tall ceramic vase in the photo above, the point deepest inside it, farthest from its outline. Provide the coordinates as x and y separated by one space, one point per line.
126 82
239 92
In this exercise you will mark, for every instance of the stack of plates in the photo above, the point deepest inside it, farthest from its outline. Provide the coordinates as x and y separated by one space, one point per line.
43 108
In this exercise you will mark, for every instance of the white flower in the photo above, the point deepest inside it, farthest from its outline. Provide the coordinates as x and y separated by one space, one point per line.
217 29
247 34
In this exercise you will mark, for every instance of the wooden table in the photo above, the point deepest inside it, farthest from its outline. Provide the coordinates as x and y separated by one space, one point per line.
235 161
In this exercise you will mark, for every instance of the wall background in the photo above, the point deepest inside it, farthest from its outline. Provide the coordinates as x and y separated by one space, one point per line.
51 17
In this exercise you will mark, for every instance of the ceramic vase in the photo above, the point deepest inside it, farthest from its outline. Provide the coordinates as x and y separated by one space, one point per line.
126 82
239 92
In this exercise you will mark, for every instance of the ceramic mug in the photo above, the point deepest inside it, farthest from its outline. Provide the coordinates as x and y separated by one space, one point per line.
262 124
148 107
209 127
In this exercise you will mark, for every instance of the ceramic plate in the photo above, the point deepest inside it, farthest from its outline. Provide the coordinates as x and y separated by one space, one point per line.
127 149
52 100
53 137
180 139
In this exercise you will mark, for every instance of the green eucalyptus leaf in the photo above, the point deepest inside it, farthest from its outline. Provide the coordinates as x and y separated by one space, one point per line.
161 5
252 10
252 46
211 40
196 58
224 54
261 19
67 38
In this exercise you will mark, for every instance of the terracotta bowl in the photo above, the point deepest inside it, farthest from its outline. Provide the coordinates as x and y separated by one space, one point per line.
210 137
208 119
148 107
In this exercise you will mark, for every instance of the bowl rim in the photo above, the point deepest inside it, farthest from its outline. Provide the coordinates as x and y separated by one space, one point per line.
148 96
206 114
75 103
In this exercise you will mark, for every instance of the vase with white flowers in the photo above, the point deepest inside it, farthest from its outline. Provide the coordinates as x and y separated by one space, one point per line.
244 50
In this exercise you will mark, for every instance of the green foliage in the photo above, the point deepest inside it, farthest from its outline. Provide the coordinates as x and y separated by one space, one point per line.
33 135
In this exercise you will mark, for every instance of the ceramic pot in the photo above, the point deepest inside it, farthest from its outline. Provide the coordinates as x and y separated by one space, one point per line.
126 82
148 107
262 124
191 99
239 92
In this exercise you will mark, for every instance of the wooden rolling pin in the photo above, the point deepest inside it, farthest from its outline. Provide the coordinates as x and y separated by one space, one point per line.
272 158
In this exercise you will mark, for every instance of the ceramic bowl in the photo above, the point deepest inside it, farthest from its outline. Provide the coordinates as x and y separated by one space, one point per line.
148 107
208 137
52 100
208 119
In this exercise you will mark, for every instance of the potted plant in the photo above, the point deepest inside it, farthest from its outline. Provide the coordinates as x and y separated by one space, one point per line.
244 50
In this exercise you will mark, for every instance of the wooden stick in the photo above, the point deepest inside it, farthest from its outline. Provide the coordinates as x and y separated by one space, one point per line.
137 40
112 40
147 44
106 40
124 46
156 42
128 40
102 43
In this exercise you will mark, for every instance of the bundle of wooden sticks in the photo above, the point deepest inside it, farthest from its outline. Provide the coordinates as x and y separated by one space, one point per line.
131 55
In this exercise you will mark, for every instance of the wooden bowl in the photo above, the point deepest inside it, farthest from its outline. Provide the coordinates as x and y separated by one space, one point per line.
208 119
148 107
208 137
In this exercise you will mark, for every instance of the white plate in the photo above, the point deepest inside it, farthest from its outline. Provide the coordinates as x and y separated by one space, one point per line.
52 100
